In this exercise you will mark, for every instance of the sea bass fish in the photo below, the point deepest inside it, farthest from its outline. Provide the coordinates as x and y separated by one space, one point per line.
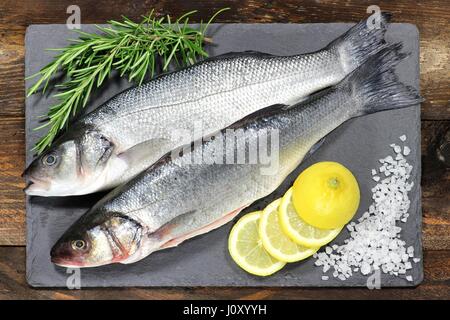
131 131
174 199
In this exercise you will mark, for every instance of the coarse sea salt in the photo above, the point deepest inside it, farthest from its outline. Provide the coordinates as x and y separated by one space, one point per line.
406 151
375 241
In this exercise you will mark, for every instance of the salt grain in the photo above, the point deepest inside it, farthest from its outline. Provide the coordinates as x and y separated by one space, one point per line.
375 240
325 278
365 268
406 151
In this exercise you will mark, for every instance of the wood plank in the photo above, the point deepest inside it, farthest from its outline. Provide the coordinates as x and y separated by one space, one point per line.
435 188
436 285
12 163
12 67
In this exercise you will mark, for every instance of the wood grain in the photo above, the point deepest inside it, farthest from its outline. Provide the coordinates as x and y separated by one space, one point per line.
12 199
435 189
432 19
436 285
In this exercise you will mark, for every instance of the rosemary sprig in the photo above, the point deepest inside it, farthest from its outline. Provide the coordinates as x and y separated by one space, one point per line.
130 48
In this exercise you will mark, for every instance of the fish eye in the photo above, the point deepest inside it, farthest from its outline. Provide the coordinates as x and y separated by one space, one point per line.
79 245
50 159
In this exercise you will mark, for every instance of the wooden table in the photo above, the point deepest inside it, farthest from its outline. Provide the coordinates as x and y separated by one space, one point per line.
431 17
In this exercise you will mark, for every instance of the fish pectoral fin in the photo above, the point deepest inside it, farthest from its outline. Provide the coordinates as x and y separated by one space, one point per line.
145 151
205 229
162 238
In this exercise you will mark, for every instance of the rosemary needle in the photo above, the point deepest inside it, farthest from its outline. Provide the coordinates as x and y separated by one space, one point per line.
130 48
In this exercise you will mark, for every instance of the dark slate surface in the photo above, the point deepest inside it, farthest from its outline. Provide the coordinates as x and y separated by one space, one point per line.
204 260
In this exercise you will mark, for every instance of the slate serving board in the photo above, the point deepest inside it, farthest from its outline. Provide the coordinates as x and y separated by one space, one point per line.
204 260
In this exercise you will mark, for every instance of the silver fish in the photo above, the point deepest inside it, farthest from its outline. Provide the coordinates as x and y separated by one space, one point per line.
131 131
175 200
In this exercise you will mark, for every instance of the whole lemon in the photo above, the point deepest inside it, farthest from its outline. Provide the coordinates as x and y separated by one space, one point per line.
326 195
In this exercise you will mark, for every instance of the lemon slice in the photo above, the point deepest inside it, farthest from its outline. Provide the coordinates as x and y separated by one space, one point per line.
298 230
246 247
275 241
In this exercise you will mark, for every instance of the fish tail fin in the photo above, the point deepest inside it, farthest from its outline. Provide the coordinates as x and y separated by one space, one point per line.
361 41
377 87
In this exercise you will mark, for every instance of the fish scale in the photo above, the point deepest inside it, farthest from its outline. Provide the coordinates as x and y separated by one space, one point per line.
141 124
246 83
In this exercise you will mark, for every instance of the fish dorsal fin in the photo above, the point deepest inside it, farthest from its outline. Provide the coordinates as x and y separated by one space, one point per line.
264 112
231 55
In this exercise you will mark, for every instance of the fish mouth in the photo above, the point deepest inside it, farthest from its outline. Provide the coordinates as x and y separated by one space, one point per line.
65 262
60 257
36 186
